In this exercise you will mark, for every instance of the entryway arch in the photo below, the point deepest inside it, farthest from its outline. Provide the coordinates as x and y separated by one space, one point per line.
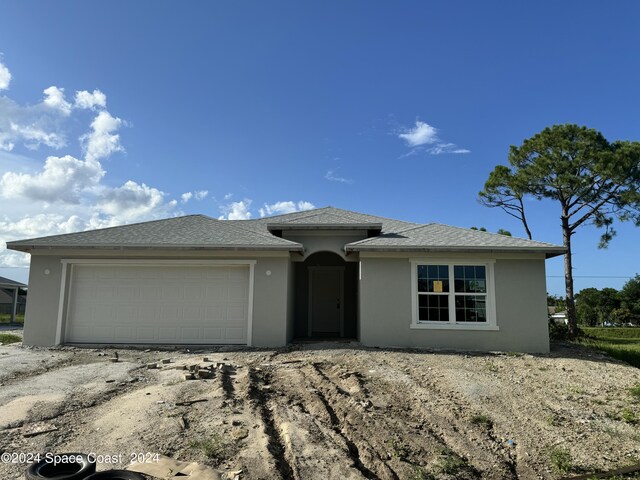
326 297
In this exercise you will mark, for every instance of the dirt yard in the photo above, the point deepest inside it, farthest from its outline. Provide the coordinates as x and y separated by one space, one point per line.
325 411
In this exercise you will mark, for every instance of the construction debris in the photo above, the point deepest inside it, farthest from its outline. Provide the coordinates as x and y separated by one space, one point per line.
169 468
188 403
38 429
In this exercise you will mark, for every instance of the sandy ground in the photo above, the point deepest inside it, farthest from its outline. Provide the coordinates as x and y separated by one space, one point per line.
324 411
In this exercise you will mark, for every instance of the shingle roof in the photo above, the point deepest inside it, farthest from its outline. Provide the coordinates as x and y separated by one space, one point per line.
202 232
191 231
438 237
329 216
7 282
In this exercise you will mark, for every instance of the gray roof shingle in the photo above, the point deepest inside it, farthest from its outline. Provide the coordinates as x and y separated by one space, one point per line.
202 232
7 282
191 231
438 237
328 216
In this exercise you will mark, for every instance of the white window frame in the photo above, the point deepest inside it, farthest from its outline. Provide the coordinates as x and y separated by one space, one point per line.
452 324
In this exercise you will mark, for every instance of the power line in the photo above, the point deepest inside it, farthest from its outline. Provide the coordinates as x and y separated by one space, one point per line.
587 276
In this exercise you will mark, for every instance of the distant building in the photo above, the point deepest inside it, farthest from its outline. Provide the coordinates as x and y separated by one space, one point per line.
559 318
13 297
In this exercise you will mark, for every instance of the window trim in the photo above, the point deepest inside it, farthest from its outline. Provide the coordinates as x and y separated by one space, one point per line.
452 324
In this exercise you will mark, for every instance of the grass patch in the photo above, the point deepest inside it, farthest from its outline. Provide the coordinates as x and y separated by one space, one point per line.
628 416
6 318
635 391
482 420
419 473
400 449
449 463
560 459
215 447
620 343
7 338
553 420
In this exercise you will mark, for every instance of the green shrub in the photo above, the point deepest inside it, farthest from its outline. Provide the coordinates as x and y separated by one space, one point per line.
482 420
214 447
560 459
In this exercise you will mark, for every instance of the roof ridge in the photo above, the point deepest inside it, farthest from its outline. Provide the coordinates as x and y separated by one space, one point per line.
285 214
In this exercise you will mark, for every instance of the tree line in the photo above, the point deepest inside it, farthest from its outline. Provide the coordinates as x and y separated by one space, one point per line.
607 306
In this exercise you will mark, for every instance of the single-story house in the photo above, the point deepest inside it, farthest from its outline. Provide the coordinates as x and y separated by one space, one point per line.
318 274
13 297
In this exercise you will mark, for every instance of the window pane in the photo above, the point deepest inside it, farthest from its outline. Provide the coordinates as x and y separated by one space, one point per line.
470 279
471 308
433 308
433 278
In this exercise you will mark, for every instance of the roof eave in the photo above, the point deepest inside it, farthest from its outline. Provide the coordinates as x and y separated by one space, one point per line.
548 251
26 248
324 226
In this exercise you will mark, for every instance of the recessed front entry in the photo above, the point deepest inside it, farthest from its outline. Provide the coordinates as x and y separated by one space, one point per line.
326 301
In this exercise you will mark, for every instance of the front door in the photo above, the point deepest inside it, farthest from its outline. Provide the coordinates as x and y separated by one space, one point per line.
325 301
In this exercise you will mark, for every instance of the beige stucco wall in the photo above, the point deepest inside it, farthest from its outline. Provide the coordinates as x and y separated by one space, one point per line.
270 293
41 315
384 304
520 292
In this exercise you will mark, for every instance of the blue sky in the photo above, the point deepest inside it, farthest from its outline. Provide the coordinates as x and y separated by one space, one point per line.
231 109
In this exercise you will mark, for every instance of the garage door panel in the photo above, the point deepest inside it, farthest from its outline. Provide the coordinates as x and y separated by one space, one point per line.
236 311
122 333
163 304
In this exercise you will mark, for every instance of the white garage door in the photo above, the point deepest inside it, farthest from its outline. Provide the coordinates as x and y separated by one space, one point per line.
158 304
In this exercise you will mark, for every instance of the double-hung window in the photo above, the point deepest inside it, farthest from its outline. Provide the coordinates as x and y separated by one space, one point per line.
453 294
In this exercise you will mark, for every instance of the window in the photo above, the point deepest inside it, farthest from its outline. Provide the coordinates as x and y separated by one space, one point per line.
452 294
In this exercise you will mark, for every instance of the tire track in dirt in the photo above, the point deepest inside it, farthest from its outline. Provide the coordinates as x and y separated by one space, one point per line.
262 405
410 449
443 413
375 467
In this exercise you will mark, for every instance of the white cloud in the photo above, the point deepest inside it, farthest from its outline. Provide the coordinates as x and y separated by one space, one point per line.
132 201
424 138
34 136
54 98
63 179
88 100
201 194
422 134
33 125
197 194
228 196
280 208
332 177
236 210
64 194
5 77
102 141
441 148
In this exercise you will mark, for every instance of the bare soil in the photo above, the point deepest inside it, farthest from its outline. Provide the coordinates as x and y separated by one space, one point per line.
326 411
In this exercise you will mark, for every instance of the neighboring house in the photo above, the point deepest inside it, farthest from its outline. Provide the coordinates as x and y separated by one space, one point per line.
559 318
324 273
13 297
